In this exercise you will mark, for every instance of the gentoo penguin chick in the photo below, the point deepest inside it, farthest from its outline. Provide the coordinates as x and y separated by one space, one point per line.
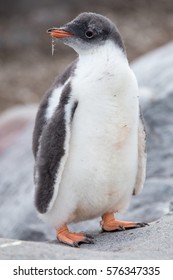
89 140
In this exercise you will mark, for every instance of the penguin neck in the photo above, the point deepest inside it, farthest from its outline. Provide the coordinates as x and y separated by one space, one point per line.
108 57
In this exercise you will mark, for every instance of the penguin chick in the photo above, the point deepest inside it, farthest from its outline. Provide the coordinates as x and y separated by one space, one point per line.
89 139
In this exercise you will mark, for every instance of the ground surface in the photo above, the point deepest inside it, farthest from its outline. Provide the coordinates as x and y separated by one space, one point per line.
152 242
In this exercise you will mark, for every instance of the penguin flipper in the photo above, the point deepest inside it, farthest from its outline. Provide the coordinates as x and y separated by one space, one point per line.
142 157
40 121
53 151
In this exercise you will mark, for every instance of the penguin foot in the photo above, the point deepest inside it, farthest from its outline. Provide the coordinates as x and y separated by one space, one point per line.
73 239
108 223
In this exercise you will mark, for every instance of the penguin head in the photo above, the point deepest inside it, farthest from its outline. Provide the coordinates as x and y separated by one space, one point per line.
88 31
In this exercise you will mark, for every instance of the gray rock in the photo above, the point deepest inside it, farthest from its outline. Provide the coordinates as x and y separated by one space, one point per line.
18 218
152 242
154 72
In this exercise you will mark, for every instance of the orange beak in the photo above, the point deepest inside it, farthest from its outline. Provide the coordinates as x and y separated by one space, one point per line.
59 33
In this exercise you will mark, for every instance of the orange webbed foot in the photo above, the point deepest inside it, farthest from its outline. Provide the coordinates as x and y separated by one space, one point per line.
73 239
108 223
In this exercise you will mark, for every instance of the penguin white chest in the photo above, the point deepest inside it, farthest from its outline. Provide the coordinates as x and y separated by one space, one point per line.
102 164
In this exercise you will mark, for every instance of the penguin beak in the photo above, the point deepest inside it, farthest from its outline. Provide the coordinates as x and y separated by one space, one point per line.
59 33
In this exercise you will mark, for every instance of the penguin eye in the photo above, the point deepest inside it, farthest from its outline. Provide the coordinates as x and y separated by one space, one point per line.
89 34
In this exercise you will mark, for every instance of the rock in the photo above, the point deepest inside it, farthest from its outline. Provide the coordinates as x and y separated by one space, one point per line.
120 245
18 218
16 177
154 72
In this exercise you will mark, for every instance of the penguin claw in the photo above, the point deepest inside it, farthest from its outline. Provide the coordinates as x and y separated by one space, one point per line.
76 244
89 236
88 240
73 239
113 228
142 224
109 223
121 228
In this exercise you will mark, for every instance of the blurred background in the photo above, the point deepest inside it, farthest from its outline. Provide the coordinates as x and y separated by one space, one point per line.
27 67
